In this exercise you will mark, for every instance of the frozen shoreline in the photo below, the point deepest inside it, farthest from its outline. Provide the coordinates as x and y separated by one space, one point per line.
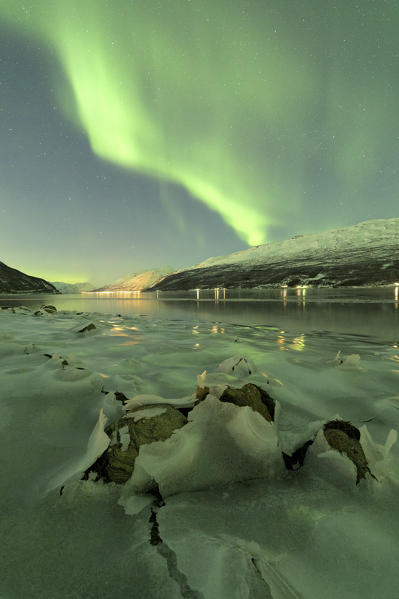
288 532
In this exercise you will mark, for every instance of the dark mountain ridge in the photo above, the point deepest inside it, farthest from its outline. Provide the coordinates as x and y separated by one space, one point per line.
15 281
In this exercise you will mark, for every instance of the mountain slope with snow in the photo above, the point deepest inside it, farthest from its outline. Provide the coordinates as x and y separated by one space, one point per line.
15 281
360 255
71 287
137 282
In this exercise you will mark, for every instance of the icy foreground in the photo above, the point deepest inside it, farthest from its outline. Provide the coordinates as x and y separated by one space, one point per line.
235 522
362 255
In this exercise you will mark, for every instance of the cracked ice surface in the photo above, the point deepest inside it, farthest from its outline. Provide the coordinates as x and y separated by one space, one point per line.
235 523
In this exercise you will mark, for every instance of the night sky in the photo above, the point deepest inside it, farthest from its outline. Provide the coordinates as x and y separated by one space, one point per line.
139 133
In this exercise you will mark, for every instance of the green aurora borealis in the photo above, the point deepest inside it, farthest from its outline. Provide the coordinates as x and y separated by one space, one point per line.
268 112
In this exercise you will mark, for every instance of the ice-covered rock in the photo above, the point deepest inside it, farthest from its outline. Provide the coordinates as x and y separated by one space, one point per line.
31 348
220 444
345 438
128 434
248 395
86 328
148 399
153 424
351 362
148 412
240 366
50 309
253 396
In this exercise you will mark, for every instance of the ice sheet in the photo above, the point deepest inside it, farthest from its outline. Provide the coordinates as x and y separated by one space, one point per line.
235 523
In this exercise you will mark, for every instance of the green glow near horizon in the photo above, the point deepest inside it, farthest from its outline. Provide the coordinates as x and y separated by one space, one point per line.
208 96
51 276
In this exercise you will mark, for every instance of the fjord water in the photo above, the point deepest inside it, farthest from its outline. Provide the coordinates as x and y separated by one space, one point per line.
357 311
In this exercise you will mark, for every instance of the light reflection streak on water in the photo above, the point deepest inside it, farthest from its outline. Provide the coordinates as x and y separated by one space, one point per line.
281 340
118 331
301 295
298 343
283 293
217 329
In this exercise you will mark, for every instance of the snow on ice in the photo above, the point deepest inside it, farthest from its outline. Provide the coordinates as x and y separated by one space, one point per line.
229 519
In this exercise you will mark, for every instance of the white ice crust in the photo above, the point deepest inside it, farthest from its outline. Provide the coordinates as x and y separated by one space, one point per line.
236 524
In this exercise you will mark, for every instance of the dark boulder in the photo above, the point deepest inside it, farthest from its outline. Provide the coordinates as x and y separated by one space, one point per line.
89 327
345 438
138 427
49 309
253 396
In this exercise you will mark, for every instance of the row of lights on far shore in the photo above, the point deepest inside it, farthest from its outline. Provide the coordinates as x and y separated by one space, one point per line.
138 291
216 290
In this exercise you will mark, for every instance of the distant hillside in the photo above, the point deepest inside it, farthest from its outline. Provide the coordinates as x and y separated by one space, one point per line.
72 287
360 255
137 282
15 281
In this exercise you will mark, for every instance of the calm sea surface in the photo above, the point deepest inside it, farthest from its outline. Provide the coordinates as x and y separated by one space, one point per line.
372 312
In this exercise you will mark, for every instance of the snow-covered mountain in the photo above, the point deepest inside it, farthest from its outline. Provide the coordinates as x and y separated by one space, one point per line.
360 255
72 287
137 282
15 281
